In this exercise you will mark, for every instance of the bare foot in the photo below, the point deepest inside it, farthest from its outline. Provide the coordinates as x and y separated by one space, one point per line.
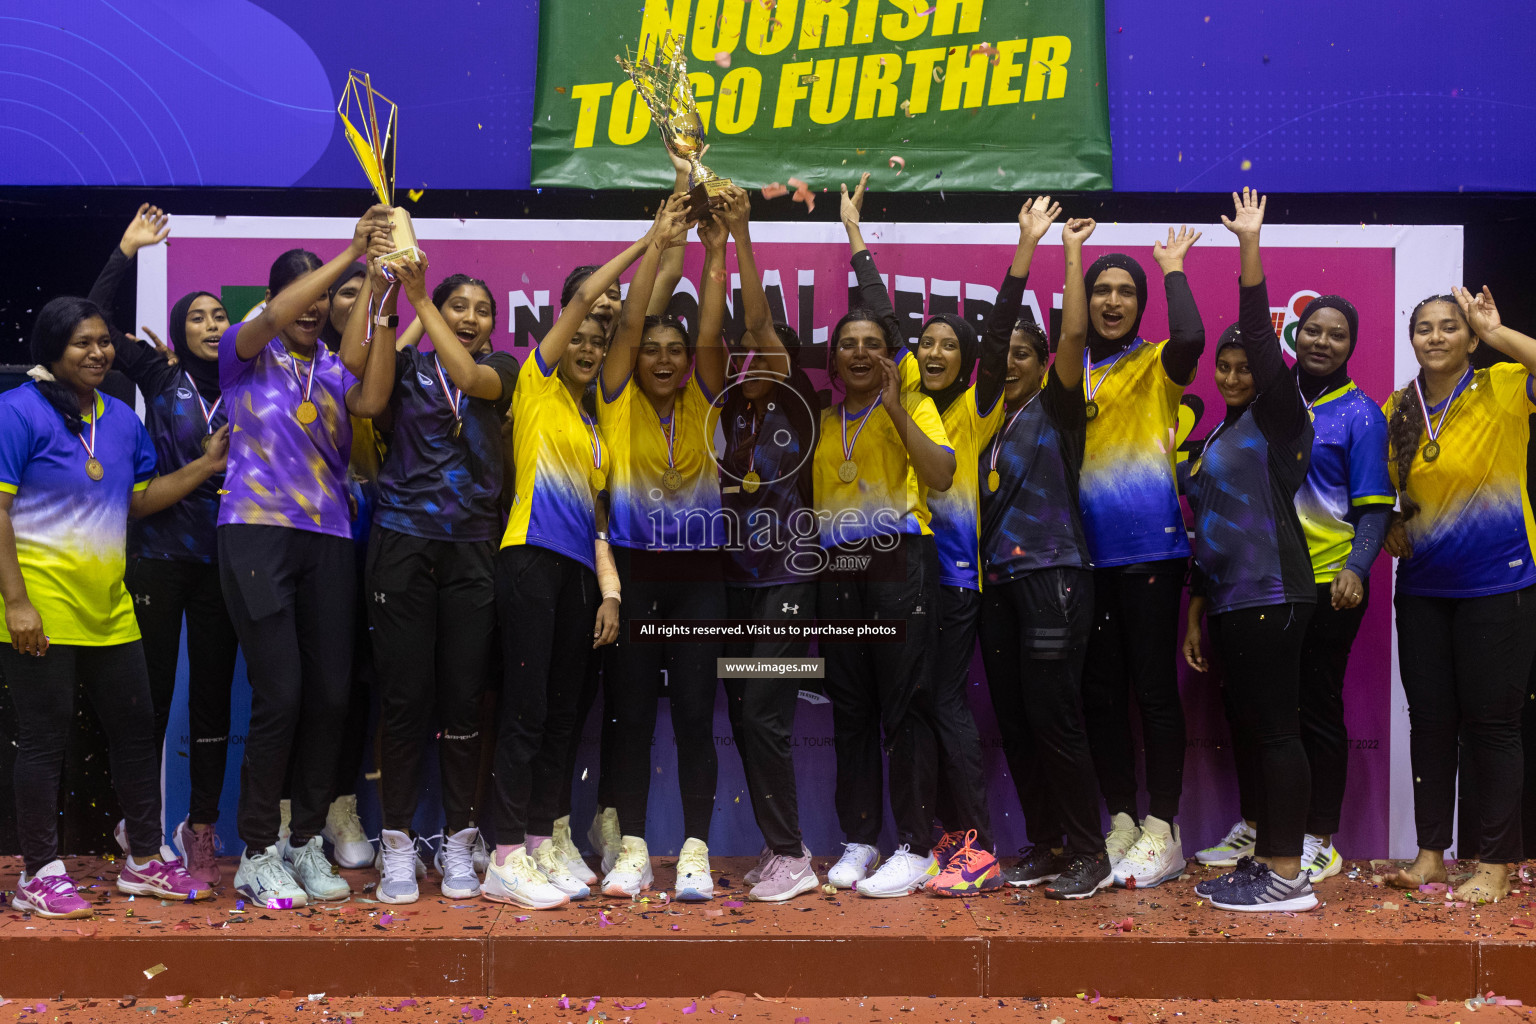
1488 884
1427 867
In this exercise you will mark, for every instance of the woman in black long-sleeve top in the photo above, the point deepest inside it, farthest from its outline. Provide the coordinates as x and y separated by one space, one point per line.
1253 578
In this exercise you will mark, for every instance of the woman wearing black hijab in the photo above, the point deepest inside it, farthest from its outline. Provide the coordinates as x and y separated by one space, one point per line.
1140 551
173 569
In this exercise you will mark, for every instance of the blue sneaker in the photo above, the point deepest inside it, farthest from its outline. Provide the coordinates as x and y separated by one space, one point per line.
1208 887
1263 890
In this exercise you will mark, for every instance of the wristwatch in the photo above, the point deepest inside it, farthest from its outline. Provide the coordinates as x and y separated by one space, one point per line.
392 320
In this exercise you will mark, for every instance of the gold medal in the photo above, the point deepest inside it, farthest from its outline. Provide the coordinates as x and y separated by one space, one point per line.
993 480
307 412
458 429
599 480
207 440
848 472
94 470
672 480
1091 409
1432 451
751 482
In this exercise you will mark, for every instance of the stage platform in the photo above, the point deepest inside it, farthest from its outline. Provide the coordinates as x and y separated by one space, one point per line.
1365 943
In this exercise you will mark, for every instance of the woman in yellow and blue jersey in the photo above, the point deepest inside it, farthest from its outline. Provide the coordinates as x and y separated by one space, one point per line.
881 451
947 354
74 466
666 529
1465 539
1140 550
1344 505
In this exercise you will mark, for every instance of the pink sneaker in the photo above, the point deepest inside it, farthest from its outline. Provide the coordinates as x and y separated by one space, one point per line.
199 853
50 893
165 878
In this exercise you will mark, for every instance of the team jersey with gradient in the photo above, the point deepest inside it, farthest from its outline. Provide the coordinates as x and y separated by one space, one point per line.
885 498
770 522
552 447
643 512
1348 471
1474 534
283 472
71 531
1129 492
434 485
954 513
1031 522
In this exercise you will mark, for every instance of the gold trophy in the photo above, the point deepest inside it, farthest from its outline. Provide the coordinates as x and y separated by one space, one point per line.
375 150
667 92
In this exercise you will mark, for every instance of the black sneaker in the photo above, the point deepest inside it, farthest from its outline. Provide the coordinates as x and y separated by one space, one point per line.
1263 890
1085 875
1036 864
1246 866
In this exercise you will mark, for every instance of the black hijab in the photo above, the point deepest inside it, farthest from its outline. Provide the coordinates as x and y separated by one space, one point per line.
204 372
329 334
1230 338
1313 387
1099 347
945 397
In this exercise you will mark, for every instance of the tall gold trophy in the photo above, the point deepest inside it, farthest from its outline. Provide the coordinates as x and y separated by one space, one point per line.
375 150
667 92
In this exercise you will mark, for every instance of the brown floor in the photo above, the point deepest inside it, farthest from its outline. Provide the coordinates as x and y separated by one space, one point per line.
1366 942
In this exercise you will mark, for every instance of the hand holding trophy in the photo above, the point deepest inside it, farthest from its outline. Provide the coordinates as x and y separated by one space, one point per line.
665 88
375 150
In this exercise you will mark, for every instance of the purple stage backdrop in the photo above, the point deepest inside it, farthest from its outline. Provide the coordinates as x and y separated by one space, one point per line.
1383 270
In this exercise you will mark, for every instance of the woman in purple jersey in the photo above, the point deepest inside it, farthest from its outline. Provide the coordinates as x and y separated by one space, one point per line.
286 558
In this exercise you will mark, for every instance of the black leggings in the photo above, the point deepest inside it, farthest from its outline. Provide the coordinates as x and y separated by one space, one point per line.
962 792
1260 654
662 585
1135 647
43 692
432 608
762 711
887 687
1034 635
594 684
547 603
1464 664
165 590
292 597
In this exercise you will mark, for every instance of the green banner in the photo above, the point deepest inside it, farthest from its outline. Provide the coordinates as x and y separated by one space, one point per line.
998 95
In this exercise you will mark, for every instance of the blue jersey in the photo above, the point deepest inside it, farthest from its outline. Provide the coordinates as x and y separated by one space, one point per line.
1348 472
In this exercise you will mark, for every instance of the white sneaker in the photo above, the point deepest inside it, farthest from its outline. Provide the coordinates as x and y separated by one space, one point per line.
421 864
308 866
397 882
1238 843
262 880
903 874
482 854
857 861
565 849
456 863
343 830
519 881
1157 857
1320 860
1122 835
547 857
604 836
631 874
695 883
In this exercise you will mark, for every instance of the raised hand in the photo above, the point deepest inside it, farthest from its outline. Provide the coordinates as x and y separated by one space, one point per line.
1248 213
890 383
376 219
736 210
412 275
672 223
1478 308
158 345
1036 217
683 168
853 206
714 233
1077 230
1170 255
149 226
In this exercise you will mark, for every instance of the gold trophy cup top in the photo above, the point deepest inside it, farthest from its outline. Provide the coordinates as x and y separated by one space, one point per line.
374 148
668 94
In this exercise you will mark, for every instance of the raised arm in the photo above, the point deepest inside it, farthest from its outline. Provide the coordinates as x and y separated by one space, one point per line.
1279 407
354 349
757 318
671 225
670 270
1074 305
1484 318
873 295
149 226
289 304
1035 219
933 463
475 379
1186 334
552 346
370 396
709 361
